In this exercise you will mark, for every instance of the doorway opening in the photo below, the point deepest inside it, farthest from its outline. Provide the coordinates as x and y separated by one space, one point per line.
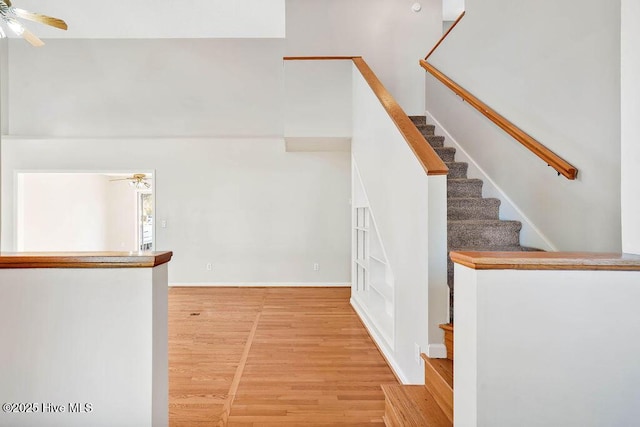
84 211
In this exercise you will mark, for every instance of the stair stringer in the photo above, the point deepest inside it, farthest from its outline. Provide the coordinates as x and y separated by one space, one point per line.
530 234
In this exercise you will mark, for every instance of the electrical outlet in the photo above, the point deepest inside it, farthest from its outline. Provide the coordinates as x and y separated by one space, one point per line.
209 266
316 266
163 223
416 352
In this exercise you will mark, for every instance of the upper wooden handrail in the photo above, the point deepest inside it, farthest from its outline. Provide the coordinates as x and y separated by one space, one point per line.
558 163
428 158
444 36
318 58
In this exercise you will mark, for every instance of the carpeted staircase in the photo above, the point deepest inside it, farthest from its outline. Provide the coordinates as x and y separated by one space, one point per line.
473 223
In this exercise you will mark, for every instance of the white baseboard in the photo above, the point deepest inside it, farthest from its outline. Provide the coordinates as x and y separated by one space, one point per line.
263 285
387 353
530 235
437 351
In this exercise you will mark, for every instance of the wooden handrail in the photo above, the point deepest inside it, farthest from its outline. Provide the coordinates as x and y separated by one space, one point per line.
428 158
444 36
558 163
318 58
425 153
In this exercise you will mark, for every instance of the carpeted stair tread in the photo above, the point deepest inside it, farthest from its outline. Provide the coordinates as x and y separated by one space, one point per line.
483 233
469 187
435 140
461 208
507 248
447 154
418 120
457 170
426 130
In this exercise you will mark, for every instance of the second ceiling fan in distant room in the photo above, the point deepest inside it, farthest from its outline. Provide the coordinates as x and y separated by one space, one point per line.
9 15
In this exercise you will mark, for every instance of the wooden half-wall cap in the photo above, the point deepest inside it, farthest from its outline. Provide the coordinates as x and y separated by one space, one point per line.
547 261
83 259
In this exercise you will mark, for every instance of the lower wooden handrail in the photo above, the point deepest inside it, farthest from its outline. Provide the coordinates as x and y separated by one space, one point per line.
558 163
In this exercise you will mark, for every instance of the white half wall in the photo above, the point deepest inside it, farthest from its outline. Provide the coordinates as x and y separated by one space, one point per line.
106 88
93 337
546 348
553 69
258 214
388 34
630 59
153 20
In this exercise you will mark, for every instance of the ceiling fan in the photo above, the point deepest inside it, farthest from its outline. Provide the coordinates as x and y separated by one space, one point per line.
8 14
137 180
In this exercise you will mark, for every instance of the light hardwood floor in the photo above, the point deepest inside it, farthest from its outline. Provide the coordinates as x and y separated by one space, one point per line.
271 357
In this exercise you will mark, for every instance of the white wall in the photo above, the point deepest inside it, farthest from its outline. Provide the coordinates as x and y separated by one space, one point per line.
451 9
317 98
99 88
153 19
62 212
4 84
398 191
546 348
122 216
256 212
388 34
630 126
556 75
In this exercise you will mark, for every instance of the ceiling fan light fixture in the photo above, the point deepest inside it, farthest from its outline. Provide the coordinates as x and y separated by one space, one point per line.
15 26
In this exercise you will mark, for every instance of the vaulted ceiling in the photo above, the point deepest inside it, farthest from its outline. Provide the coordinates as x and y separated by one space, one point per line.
161 18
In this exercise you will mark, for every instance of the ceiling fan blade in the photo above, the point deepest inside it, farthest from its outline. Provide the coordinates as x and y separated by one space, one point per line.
120 179
32 38
43 19
7 2
21 31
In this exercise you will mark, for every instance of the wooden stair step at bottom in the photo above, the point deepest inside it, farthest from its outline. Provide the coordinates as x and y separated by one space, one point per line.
438 379
412 406
448 338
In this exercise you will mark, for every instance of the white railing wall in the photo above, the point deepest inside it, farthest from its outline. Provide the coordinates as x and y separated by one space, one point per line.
409 209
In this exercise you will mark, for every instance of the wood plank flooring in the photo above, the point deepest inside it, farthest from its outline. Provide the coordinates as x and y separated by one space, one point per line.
271 357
